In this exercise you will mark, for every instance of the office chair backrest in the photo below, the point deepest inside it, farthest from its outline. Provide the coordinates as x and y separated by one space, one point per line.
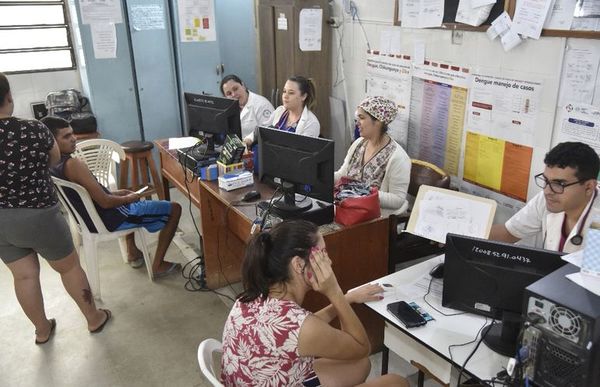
424 173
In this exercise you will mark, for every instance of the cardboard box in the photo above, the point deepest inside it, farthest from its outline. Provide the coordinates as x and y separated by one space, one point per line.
231 181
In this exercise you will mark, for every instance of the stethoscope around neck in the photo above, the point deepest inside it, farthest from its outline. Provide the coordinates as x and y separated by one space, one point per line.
577 239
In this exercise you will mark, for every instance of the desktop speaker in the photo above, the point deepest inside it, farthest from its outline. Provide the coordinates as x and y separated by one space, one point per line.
561 338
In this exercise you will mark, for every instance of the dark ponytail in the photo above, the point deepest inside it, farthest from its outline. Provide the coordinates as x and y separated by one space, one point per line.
306 86
4 88
269 253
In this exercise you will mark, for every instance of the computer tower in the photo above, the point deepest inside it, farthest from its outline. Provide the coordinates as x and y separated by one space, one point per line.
562 332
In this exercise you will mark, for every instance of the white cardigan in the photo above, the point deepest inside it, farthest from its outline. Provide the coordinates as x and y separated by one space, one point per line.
394 187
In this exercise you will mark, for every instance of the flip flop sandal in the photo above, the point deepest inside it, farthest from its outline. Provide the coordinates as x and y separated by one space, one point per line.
136 264
101 327
52 328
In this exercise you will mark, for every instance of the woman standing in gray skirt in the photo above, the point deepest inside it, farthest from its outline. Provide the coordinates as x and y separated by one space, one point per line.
31 222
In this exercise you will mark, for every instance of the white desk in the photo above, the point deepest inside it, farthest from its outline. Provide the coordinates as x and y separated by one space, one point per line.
428 344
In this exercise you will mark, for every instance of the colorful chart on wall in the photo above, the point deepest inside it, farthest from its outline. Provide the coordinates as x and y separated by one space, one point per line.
437 114
498 165
390 77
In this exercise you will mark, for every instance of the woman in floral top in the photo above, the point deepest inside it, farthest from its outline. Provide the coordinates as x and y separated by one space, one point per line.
375 158
270 340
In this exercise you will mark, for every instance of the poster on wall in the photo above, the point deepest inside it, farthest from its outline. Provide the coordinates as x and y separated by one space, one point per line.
499 165
197 20
100 11
390 77
580 122
504 108
437 112
310 29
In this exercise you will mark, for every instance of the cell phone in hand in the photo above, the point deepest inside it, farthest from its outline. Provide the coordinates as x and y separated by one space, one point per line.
139 191
406 314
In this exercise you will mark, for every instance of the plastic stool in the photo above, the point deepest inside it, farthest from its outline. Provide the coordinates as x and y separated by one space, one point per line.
139 155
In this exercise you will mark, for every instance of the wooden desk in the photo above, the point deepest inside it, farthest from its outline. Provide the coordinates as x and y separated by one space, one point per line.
359 253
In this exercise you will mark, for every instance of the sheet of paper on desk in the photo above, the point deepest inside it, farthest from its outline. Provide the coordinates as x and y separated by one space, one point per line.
182 142
575 258
589 282
439 211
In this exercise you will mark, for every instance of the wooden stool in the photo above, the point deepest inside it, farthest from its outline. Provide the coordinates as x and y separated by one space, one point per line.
139 155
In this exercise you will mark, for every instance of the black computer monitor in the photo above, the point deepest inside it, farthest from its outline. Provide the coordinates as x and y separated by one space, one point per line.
489 278
212 117
301 166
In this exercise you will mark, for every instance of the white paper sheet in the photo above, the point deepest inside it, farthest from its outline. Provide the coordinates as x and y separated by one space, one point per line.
390 41
197 20
100 11
418 56
575 258
510 39
182 142
104 40
580 68
530 17
310 29
560 16
282 23
499 26
481 3
147 17
422 13
473 16
580 122
441 213
585 24
588 282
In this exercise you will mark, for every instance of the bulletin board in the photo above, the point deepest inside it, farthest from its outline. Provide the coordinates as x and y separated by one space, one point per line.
450 8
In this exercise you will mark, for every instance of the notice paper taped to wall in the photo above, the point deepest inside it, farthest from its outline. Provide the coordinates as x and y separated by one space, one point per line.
580 122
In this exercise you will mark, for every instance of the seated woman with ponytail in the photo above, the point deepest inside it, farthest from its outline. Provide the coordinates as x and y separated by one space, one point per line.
269 339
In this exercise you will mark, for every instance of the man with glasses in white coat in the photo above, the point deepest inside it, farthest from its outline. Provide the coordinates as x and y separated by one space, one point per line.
564 210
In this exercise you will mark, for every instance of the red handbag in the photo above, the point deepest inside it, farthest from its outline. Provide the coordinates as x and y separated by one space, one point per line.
358 209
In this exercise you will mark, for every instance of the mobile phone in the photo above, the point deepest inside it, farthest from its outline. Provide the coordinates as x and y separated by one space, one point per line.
406 314
139 191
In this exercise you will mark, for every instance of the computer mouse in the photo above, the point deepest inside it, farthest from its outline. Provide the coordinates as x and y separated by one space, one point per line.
251 196
437 271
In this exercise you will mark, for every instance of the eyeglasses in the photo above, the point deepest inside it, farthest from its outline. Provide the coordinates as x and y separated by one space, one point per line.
557 187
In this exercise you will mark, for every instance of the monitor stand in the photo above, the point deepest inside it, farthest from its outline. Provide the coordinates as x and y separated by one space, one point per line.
207 150
294 206
501 337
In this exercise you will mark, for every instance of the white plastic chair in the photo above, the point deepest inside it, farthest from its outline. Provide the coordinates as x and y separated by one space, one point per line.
90 240
101 157
205 360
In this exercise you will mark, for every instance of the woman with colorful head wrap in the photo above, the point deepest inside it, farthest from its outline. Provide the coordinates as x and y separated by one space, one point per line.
375 158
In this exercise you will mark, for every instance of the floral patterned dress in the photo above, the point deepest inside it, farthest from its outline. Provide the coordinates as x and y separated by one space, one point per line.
260 344
373 171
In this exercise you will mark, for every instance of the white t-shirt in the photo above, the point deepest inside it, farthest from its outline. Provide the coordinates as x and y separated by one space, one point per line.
535 218
257 112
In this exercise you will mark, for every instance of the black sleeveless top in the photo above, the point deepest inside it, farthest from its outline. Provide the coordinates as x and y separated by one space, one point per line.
111 217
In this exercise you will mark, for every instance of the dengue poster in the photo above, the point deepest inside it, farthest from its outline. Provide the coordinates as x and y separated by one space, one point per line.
437 115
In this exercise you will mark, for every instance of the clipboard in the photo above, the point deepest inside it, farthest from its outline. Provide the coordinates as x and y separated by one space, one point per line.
437 211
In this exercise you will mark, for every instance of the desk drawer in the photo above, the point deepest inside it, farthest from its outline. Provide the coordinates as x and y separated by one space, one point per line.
410 349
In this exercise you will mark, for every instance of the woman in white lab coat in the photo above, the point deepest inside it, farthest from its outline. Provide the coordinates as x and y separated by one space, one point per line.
255 110
295 114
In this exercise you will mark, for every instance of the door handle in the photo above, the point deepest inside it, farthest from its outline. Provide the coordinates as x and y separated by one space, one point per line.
222 68
218 69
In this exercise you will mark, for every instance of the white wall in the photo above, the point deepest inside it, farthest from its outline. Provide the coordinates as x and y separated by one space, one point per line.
539 61
33 87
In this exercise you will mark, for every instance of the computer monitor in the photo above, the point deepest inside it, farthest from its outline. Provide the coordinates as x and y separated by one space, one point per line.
212 116
301 166
489 278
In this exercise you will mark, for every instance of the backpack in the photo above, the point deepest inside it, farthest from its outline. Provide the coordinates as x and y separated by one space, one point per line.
70 104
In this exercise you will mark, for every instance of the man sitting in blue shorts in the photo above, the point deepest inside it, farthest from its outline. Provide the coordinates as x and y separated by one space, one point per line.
121 209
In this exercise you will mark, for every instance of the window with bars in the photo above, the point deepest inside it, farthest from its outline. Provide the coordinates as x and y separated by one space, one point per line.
35 36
